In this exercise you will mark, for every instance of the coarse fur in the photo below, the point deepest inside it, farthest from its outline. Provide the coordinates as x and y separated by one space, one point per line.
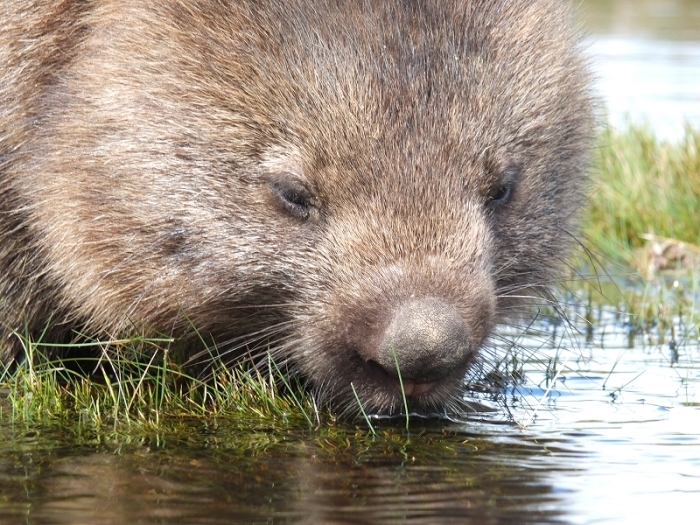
312 178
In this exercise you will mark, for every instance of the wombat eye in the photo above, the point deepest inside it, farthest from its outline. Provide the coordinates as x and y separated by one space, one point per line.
292 198
501 191
500 195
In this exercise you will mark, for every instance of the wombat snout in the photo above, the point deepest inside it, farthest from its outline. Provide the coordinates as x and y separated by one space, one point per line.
427 338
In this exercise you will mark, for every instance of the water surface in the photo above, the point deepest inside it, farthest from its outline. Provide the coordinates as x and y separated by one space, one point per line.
646 56
613 437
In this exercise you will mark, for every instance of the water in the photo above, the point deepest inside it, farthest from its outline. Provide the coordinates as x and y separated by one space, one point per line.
635 413
646 55
614 439
646 81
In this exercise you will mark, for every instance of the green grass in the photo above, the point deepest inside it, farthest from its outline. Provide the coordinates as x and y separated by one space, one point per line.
139 394
643 185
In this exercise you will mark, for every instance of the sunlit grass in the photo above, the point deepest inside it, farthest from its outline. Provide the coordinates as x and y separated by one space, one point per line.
111 390
643 185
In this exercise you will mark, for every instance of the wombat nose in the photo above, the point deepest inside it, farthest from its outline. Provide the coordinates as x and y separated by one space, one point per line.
429 340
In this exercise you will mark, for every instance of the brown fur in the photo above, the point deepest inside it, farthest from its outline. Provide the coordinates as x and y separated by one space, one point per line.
304 176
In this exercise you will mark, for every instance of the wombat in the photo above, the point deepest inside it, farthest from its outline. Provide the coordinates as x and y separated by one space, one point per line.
361 189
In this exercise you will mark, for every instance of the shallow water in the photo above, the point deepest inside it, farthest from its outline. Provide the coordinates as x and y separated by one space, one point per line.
646 57
615 438
486 473
634 414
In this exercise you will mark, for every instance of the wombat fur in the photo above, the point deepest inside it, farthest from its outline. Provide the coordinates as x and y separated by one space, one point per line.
347 185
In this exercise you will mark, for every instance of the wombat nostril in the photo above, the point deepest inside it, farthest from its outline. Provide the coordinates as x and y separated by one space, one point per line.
428 338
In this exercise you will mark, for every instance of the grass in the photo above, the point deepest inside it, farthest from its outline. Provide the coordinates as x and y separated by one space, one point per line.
646 197
662 312
138 394
641 185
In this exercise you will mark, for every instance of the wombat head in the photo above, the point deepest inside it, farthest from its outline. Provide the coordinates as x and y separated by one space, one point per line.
360 188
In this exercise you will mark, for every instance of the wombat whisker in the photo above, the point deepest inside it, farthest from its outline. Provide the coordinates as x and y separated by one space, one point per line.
241 341
250 352
249 363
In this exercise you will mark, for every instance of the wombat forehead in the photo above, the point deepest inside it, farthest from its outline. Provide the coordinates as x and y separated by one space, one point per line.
369 85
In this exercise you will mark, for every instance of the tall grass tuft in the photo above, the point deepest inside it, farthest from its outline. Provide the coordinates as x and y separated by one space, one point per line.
643 185
135 384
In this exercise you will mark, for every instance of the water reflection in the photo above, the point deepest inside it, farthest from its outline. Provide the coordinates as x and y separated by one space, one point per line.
438 477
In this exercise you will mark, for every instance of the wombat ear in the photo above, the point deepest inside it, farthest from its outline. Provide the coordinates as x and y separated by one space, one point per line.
291 196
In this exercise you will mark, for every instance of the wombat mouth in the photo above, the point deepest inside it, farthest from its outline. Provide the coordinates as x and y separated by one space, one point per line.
412 389
402 387
385 393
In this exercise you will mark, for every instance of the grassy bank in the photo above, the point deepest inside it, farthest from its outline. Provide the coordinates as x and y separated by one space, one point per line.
143 393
